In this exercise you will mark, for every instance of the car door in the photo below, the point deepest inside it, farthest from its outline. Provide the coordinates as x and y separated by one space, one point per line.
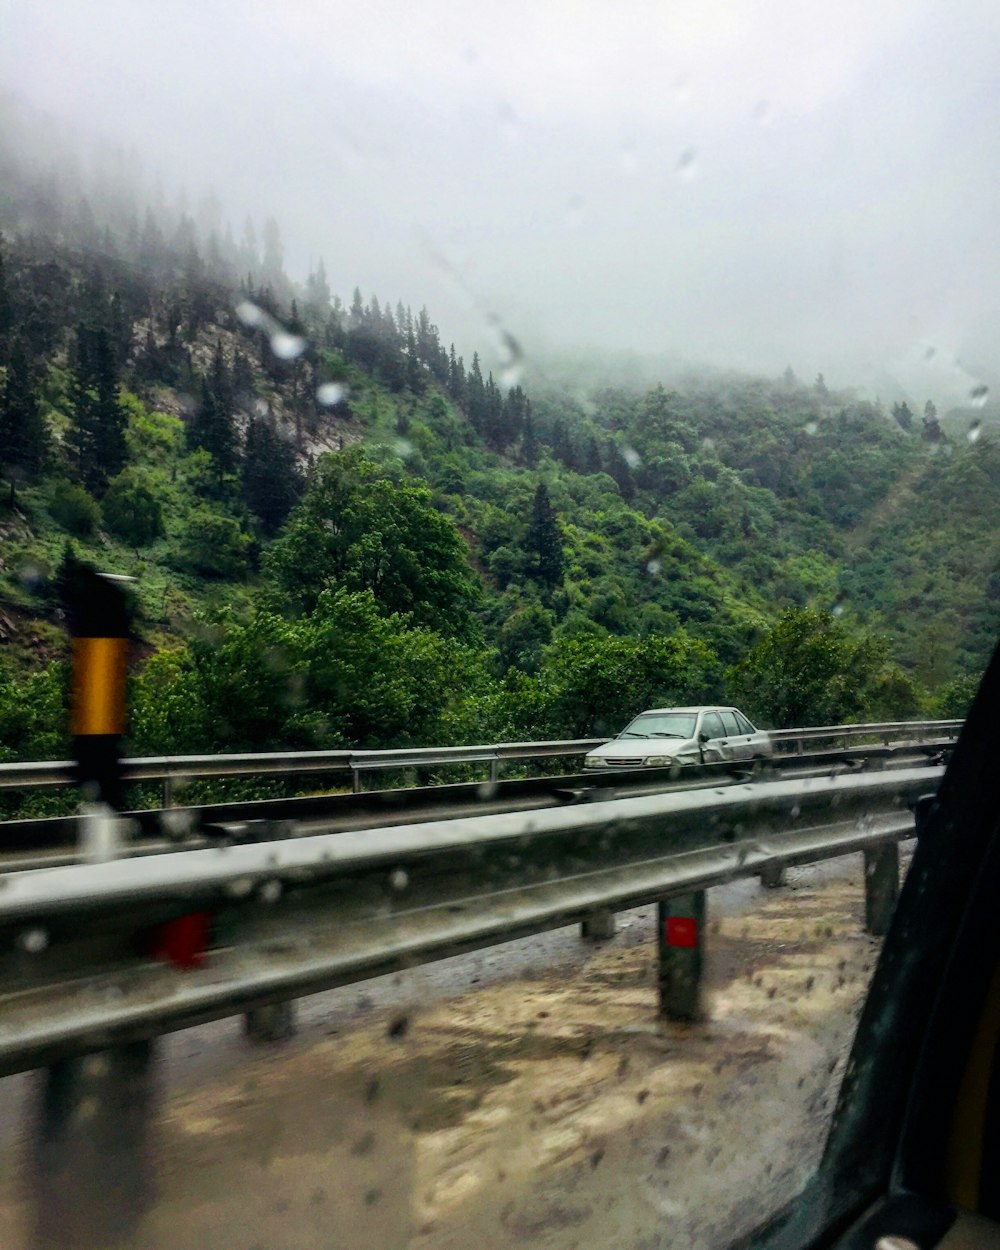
758 743
717 745
736 745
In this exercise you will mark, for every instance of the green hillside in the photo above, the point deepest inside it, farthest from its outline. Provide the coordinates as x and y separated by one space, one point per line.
341 533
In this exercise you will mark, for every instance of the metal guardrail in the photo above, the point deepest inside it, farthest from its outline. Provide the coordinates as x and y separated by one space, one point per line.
304 914
99 960
171 769
885 731
51 840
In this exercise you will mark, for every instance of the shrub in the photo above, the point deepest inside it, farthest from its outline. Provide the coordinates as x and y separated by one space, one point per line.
131 509
74 510
213 546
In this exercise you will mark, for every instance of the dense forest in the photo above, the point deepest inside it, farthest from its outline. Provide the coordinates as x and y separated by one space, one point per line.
341 532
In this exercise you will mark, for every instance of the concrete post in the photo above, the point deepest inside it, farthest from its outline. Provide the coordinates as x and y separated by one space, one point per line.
272 1023
93 1171
680 939
881 887
599 925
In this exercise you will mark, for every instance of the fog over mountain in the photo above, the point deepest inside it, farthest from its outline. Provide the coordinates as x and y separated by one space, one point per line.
745 185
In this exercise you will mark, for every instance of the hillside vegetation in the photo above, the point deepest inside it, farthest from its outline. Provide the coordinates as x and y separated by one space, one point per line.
341 533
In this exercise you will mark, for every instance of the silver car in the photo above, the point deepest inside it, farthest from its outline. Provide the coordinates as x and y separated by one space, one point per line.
682 735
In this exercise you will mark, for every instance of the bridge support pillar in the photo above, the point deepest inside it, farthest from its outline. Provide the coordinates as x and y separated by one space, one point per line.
93 1174
274 1022
599 925
773 874
881 887
680 941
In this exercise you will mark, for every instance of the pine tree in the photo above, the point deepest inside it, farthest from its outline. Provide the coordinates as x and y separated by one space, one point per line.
271 481
426 337
903 416
390 330
476 389
415 378
23 433
212 428
121 328
493 424
543 541
96 438
318 293
932 430
220 379
295 322
456 378
333 332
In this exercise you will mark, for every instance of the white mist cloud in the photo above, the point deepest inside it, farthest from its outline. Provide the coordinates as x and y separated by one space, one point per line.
750 182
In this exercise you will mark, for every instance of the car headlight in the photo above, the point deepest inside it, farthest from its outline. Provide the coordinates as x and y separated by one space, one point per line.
656 761
592 763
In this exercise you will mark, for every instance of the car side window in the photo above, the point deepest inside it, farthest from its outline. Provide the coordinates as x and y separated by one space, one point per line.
744 724
731 726
712 725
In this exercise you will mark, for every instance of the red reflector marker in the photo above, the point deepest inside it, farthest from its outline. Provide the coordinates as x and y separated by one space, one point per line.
182 942
682 931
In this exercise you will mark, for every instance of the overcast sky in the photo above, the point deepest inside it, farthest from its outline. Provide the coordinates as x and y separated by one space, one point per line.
744 183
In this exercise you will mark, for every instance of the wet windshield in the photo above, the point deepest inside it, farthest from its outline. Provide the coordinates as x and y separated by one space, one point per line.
395 399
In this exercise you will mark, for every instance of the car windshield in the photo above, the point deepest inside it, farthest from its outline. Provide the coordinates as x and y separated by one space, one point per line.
394 397
661 725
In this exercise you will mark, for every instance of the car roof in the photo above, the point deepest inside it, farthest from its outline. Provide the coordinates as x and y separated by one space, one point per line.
701 707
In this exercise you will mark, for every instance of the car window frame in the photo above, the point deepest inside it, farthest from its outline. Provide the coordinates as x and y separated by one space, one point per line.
704 725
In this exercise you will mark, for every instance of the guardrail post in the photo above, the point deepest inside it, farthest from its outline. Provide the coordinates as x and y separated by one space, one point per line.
274 1022
495 770
93 1172
680 937
881 887
168 791
93 1177
599 925
773 874
355 780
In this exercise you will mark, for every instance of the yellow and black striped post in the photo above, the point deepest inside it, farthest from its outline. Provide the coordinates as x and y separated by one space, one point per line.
98 615
92 1174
